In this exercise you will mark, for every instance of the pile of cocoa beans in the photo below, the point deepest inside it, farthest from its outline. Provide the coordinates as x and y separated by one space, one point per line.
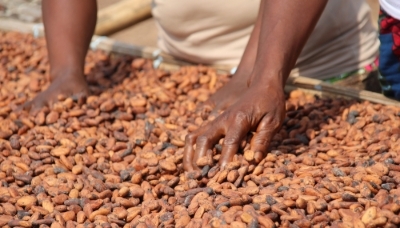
115 158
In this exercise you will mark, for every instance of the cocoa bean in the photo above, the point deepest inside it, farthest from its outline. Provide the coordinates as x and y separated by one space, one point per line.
115 159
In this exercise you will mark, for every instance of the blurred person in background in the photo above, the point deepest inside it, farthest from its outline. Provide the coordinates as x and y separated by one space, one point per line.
389 36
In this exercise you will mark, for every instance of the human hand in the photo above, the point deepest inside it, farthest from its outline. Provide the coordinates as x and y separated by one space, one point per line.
67 84
260 109
224 97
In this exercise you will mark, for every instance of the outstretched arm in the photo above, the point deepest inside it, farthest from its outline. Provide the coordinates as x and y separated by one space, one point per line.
69 27
250 52
285 27
234 88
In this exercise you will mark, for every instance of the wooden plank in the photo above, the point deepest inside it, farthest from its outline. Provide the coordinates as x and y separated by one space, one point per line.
110 45
110 19
121 15
322 94
172 60
7 24
318 85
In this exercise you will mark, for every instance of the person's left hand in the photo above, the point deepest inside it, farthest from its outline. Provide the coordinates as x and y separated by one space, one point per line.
260 109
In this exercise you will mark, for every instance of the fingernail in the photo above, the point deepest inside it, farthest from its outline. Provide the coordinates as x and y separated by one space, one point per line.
258 156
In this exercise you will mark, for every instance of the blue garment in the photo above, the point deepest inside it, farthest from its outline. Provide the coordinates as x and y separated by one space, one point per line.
389 62
389 67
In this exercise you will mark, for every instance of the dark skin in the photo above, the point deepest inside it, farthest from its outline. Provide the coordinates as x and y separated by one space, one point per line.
280 33
232 90
285 26
69 27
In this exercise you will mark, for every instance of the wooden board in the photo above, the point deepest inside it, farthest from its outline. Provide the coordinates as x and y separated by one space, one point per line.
110 45
18 26
318 85
121 15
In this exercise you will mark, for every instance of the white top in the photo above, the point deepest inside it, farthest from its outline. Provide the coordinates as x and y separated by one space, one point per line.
392 7
214 32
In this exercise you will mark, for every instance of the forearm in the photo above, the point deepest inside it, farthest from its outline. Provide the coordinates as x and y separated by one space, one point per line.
69 27
249 55
285 28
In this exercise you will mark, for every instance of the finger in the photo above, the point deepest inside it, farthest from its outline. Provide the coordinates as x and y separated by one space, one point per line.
188 151
206 141
204 109
262 137
205 113
216 111
79 98
209 153
34 111
29 107
33 106
26 106
36 106
220 108
21 108
233 141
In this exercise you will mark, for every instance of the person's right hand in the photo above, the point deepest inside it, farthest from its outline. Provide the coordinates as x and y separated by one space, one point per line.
260 109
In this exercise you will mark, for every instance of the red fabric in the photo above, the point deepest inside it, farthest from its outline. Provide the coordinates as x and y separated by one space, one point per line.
391 25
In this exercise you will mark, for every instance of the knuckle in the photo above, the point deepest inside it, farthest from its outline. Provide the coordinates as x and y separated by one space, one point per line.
273 122
261 141
231 141
190 138
275 125
240 117
202 139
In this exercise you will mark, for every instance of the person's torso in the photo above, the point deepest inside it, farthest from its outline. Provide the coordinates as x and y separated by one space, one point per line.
343 40
216 32
208 31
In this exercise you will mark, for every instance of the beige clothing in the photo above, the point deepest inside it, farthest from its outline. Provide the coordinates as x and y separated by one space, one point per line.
343 40
209 31
216 32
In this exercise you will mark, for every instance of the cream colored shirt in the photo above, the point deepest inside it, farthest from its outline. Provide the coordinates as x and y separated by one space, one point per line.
216 32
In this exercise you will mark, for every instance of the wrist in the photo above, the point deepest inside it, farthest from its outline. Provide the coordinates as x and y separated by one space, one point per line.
65 72
268 78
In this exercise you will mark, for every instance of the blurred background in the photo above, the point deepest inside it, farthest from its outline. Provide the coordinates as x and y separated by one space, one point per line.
136 29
